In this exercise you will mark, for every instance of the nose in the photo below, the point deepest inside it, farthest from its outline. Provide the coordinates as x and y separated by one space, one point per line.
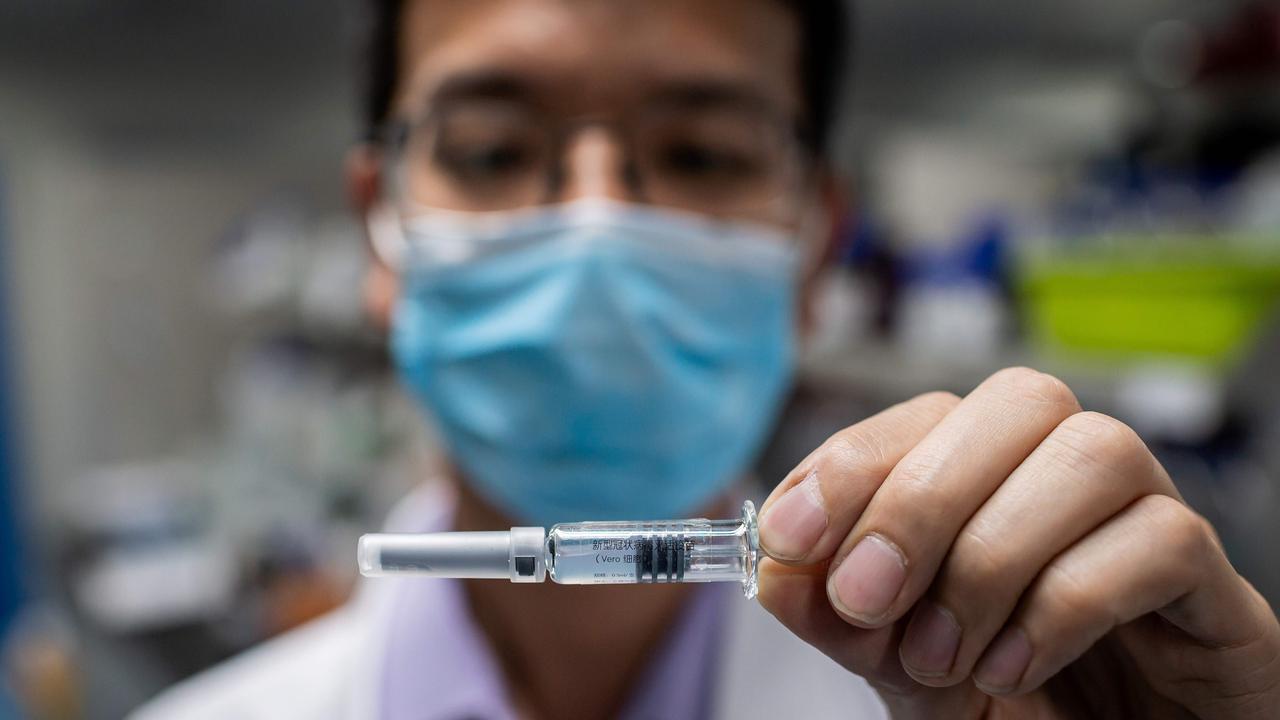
594 166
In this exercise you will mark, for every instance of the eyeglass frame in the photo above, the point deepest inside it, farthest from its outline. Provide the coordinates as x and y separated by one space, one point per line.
395 136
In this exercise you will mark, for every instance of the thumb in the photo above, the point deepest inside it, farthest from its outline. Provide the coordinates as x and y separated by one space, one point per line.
797 597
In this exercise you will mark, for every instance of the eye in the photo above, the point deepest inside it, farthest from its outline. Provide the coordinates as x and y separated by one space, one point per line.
693 159
481 160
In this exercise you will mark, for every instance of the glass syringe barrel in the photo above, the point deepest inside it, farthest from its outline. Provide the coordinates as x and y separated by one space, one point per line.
585 553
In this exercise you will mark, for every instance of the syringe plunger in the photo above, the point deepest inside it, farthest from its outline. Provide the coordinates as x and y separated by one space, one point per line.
517 555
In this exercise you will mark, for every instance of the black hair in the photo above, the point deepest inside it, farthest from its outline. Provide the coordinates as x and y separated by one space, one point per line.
824 38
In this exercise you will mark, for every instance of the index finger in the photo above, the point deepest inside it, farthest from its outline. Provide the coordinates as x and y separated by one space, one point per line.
807 516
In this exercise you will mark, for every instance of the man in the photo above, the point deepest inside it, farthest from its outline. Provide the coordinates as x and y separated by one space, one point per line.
594 225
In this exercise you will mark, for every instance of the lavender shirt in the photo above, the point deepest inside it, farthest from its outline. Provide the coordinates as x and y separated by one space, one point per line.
439 667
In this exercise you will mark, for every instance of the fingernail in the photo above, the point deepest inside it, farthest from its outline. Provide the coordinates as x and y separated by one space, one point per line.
866 583
1001 669
792 525
931 641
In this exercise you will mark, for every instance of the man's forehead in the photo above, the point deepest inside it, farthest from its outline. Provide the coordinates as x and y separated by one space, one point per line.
600 53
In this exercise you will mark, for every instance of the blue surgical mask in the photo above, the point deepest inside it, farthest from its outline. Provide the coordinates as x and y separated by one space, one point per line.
596 360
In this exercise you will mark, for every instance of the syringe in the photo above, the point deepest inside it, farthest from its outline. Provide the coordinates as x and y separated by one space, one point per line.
584 553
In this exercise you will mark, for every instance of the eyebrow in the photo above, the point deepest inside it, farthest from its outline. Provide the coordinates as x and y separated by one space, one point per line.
480 85
686 92
700 93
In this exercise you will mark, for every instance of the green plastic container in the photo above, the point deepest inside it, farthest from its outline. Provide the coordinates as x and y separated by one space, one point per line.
1182 300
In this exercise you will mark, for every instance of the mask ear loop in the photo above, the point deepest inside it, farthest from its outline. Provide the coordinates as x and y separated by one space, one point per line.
386 235
813 224
810 225
384 224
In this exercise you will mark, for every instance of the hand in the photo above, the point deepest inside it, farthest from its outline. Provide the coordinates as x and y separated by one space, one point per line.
1009 555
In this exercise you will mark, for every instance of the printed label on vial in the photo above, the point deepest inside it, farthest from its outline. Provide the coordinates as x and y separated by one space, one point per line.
599 560
620 559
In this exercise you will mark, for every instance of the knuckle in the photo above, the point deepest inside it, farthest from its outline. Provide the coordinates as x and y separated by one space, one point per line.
872 437
976 565
1034 385
1103 438
854 449
1182 532
939 399
1072 601
916 477
915 499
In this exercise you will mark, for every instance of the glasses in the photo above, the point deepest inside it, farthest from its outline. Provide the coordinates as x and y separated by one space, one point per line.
501 155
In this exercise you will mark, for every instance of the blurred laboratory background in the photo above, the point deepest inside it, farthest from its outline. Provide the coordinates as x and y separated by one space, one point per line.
196 422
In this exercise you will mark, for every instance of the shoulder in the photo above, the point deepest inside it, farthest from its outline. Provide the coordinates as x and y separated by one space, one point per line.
299 674
761 653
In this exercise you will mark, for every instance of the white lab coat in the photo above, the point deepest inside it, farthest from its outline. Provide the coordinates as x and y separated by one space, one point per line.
330 668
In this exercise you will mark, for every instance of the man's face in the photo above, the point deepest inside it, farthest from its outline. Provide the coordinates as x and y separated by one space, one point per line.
692 105
706 76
